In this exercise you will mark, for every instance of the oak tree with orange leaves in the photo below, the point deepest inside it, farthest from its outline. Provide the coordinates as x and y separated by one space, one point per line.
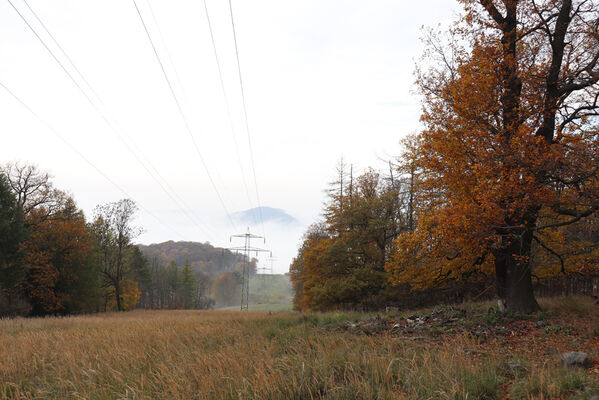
510 149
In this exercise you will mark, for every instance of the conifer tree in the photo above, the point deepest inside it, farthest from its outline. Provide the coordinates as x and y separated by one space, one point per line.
12 235
188 285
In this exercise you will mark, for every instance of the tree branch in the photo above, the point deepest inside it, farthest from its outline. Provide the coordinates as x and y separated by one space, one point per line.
543 245
493 11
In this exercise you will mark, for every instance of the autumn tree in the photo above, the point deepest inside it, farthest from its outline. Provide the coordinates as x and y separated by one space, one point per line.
341 262
114 232
137 275
31 189
57 261
129 296
57 270
299 274
34 190
510 147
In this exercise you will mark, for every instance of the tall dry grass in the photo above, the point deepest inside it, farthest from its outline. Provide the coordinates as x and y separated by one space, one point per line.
234 355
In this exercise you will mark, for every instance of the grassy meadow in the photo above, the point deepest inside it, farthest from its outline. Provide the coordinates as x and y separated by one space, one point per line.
462 352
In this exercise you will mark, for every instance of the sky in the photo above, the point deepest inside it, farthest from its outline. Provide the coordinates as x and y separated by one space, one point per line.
322 79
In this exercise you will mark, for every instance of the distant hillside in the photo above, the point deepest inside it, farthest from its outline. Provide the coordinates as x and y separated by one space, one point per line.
269 214
202 256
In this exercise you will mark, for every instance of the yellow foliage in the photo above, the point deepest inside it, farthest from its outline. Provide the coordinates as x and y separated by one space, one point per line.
130 294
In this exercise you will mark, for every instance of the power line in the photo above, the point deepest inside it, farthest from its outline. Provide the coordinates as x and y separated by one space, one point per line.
178 79
80 154
228 108
102 115
183 116
64 53
180 203
51 53
245 115
168 53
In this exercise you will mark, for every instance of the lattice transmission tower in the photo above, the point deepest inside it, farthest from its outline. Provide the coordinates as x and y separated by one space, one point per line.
247 249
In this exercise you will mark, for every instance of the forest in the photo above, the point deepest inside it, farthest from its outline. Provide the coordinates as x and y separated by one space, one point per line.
195 275
54 261
496 194
463 265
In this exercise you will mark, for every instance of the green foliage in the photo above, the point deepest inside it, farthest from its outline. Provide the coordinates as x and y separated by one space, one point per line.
185 275
87 295
120 260
492 317
51 260
12 235
341 262
173 279
553 384
188 285
557 329
435 331
139 265
541 315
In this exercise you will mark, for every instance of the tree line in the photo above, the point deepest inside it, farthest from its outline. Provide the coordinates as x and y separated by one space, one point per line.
192 275
502 180
55 262
52 261
341 262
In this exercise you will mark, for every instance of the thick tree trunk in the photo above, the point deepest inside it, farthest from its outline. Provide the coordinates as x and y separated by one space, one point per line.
519 295
513 275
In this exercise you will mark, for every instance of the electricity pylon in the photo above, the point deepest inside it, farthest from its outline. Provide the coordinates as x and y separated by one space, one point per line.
245 276
268 269
266 272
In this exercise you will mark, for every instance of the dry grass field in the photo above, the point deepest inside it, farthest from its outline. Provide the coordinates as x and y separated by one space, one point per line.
460 352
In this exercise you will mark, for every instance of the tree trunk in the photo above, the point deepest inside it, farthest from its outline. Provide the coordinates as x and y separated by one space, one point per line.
117 292
519 295
513 276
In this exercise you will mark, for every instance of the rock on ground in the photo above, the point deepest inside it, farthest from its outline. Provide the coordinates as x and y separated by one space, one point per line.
575 359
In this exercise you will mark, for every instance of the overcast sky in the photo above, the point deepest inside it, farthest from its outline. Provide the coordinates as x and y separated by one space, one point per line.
323 79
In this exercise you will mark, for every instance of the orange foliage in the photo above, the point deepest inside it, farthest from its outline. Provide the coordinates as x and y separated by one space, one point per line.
56 249
508 153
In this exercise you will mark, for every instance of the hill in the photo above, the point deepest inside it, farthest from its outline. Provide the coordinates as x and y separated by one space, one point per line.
268 214
203 257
